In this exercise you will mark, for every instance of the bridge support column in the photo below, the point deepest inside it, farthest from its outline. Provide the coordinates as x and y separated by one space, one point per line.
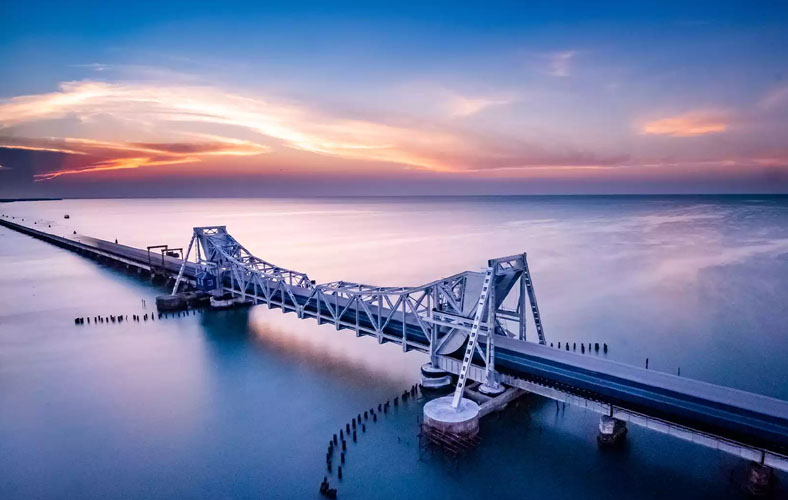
491 386
434 378
760 478
611 431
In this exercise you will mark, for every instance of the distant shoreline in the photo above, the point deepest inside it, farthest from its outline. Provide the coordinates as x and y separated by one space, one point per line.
11 200
781 197
420 196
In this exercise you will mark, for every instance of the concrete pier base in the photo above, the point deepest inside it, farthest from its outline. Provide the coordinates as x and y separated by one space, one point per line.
462 421
611 431
434 378
760 479
171 302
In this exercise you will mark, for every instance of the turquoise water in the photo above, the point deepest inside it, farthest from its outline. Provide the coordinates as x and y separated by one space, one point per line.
242 404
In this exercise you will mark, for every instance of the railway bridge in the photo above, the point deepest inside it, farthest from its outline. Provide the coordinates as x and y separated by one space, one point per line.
473 325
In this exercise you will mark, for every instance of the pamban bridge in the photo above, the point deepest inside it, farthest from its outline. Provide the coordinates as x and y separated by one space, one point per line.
472 325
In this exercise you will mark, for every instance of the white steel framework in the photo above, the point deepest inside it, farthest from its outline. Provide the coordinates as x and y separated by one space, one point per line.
435 318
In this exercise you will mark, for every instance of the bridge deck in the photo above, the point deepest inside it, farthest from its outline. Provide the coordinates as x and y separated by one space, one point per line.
170 264
746 417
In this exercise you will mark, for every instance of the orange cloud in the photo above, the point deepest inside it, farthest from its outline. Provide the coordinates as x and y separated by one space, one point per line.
172 124
688 125
116 164
164 110
107 155
217 146
40 148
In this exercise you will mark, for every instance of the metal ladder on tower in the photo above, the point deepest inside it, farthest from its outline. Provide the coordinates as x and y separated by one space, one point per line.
529 286
183 266
477 320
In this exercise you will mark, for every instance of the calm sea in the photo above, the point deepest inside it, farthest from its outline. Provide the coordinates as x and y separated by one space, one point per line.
242 404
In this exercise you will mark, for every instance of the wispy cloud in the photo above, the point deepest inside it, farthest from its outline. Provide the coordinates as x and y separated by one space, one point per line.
461 106
174 124
137 72
690 124
163 111
560 63
439 100
775 98
93 66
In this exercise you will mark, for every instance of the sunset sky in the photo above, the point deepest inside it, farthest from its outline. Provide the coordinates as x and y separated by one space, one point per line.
244 99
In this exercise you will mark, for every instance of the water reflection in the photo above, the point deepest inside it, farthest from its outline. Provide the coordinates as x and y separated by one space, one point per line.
335 352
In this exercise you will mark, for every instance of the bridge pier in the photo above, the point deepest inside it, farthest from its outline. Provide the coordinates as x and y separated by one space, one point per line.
441 416
611 431
433 377
492 386
760 478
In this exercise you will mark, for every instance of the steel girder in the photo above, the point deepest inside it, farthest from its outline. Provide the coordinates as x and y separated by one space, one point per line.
434 318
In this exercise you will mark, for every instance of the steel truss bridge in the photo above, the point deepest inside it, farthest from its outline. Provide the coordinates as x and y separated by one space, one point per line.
432 318
437 319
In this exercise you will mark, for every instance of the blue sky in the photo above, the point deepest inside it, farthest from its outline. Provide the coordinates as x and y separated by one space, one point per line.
109 99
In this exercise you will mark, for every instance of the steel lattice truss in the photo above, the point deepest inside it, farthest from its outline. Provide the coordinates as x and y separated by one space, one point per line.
434 318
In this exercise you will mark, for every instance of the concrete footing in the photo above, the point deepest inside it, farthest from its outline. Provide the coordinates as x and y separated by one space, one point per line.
611 431
499 402
760 479
492 389
434 378
462 421
170 303
181 301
